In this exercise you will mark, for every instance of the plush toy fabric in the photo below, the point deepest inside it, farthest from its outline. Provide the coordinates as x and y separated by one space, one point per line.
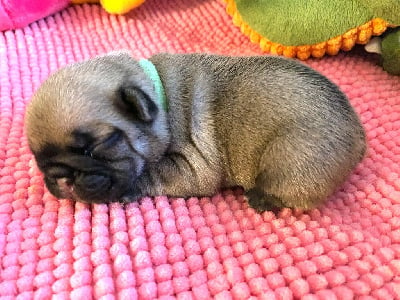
19 13
302 29
390 50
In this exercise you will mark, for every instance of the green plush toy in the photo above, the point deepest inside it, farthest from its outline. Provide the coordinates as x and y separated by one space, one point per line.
388 45
304 28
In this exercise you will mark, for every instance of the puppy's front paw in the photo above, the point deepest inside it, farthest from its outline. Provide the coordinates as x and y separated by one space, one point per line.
261 202
130 197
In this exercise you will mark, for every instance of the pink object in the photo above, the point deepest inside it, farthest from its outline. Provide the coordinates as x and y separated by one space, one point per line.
206 248
19 13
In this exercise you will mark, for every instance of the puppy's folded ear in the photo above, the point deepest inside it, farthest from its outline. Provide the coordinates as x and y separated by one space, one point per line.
138 103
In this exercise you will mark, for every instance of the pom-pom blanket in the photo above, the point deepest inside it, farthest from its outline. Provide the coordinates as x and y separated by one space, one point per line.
199 248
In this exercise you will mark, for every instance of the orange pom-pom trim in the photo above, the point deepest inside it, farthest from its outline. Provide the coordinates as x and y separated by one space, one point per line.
359 35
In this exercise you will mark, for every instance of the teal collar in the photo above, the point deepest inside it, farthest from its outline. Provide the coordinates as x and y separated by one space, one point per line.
151 71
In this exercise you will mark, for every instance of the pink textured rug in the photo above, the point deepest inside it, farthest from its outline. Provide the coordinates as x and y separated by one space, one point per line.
201 248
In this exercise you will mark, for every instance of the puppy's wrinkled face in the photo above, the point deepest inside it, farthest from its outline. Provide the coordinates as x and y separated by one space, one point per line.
93 127
92 166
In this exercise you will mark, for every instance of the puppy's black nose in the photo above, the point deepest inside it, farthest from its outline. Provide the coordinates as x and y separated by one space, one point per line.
93 184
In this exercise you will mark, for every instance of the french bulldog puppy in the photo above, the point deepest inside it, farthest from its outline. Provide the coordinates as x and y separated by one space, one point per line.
105 130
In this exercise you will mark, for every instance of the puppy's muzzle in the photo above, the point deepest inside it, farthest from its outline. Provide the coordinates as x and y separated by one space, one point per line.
84 186
93 183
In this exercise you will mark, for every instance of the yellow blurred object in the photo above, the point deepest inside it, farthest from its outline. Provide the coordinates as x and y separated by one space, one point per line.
121 6
118 7
84 1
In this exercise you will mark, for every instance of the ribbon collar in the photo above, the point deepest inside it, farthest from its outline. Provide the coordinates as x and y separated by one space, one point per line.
151 71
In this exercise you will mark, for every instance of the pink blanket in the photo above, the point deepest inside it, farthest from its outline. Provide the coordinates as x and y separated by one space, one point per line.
200 248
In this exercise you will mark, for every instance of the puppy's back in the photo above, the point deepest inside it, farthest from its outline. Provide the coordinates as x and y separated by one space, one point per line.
279 125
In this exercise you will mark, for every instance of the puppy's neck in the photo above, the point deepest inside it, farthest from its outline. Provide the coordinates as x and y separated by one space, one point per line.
152 73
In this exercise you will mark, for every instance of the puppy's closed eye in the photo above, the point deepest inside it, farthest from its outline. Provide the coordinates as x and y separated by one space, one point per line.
81 150
82 143
86 145
110 140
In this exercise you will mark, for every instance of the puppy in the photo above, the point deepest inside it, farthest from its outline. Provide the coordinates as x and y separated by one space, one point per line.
115 129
